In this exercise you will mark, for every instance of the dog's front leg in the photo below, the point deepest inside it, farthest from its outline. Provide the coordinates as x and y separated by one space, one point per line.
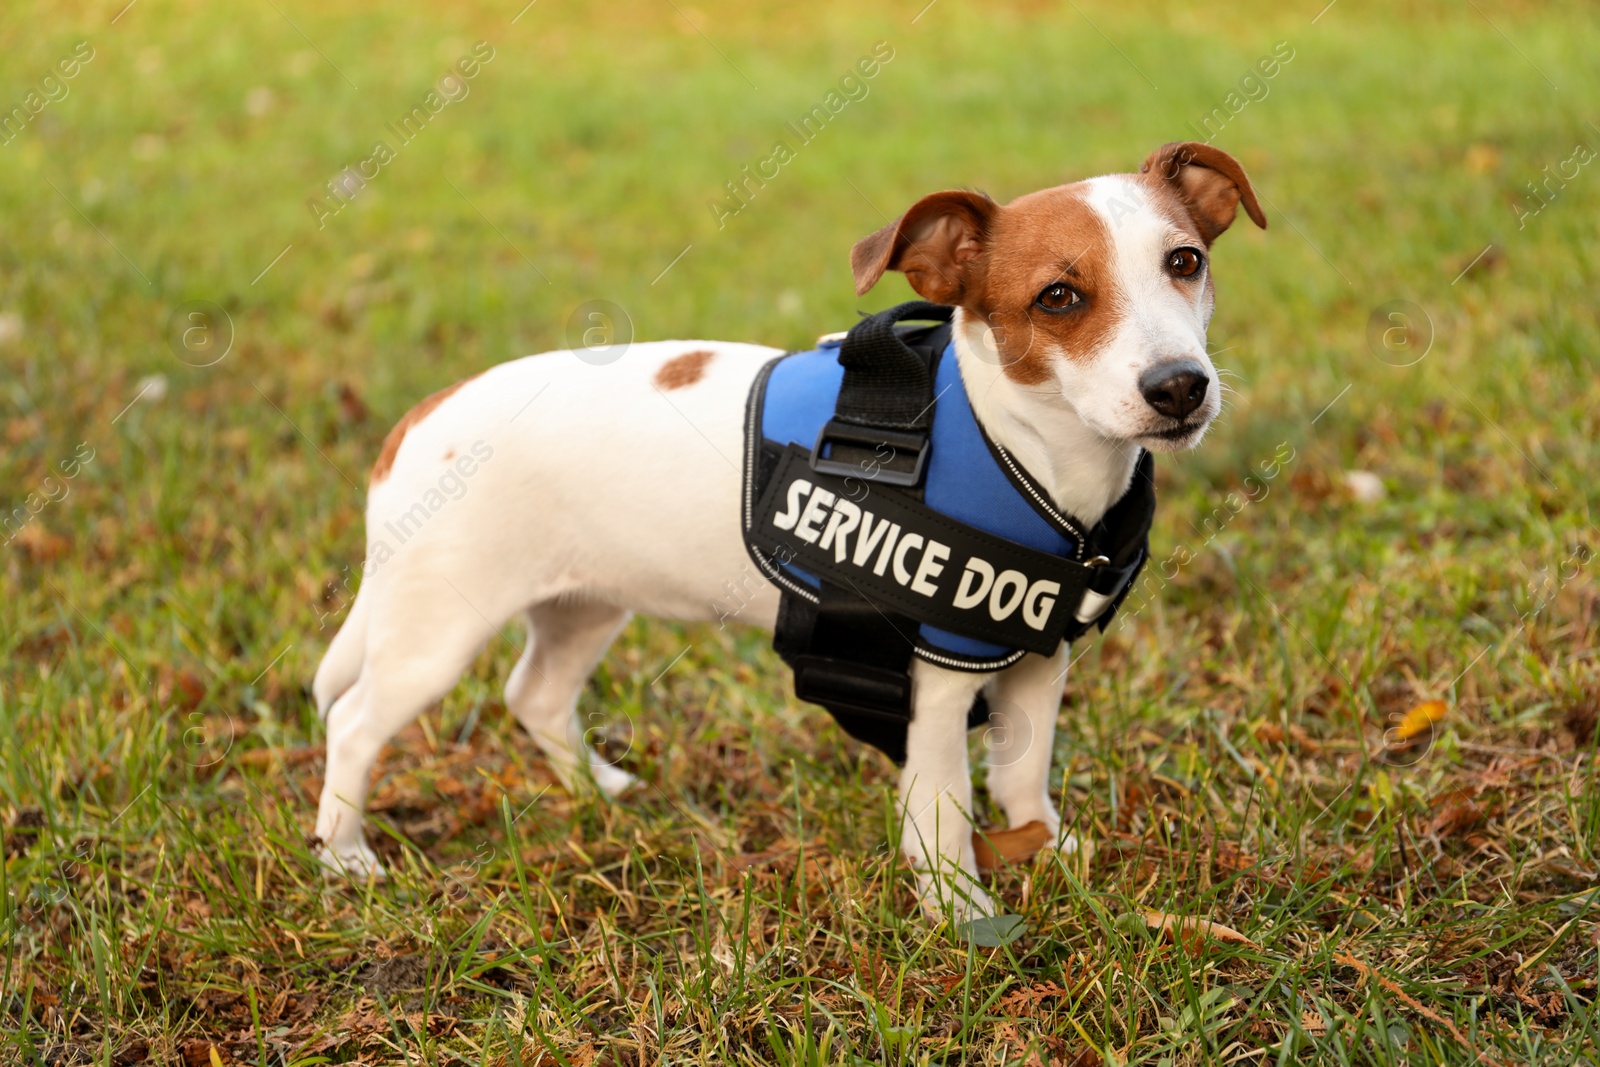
936 793
1024 700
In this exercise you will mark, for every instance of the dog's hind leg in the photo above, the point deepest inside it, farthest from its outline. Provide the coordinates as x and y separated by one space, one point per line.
341 664
566 641
415 651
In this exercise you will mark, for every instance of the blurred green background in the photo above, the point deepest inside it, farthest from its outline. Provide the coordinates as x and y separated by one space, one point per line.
163 604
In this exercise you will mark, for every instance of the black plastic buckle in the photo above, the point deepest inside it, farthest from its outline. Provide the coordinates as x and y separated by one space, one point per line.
861 456
876 692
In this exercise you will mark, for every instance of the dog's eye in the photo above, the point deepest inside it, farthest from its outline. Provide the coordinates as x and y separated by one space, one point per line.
1057 297
1185 263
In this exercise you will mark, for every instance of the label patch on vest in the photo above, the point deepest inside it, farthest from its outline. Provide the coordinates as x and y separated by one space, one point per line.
909 559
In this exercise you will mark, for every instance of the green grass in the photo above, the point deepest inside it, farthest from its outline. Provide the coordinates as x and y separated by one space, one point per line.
1225 746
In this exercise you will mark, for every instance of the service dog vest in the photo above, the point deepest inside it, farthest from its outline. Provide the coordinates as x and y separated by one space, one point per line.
894 526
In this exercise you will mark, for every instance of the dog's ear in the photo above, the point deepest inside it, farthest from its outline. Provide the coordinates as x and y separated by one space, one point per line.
1210 183
934 244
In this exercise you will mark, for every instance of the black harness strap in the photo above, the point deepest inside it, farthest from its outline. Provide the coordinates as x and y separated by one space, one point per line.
988 588
888 383
849 655
881 420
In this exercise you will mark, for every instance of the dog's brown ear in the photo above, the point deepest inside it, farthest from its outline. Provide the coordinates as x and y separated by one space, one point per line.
1210 183
934 244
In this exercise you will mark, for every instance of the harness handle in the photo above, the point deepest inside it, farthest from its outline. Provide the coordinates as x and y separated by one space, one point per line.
884 409
886 384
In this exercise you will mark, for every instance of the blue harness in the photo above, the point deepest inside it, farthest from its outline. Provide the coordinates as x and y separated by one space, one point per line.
896 527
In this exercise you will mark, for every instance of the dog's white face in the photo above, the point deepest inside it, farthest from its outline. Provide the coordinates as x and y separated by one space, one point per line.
1099 292
1159 283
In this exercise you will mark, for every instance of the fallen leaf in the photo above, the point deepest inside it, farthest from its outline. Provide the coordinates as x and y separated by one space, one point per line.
1454 812
1026 1001
999 848
1193 933
1419 720
134 1052
992 931
1270 733
1366 972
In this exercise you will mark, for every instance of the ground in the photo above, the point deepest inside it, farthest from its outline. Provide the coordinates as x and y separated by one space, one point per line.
235 254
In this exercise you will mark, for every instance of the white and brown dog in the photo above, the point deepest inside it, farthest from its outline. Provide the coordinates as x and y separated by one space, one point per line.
1081 340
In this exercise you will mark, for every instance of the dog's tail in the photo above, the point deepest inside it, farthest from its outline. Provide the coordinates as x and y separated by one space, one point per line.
341 666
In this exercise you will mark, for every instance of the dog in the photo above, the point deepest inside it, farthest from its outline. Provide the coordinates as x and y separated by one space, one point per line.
589 493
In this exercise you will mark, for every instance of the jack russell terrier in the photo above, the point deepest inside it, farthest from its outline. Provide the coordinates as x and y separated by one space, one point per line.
1079 334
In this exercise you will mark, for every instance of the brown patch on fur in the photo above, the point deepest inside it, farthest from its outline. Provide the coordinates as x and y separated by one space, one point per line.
391 443
957 247
932 243
1035 241
1209 184
682 371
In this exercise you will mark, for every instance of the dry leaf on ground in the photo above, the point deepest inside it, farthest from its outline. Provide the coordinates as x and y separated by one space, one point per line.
1193 933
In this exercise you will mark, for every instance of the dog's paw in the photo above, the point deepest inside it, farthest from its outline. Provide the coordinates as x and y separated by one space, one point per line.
358 863
611 780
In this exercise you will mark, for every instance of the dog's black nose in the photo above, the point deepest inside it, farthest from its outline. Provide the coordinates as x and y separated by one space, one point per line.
1176 388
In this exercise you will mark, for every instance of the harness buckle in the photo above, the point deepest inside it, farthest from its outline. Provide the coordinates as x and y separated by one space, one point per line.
1105 584
858 452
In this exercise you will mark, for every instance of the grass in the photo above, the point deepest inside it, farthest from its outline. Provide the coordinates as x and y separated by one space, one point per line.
1234 747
